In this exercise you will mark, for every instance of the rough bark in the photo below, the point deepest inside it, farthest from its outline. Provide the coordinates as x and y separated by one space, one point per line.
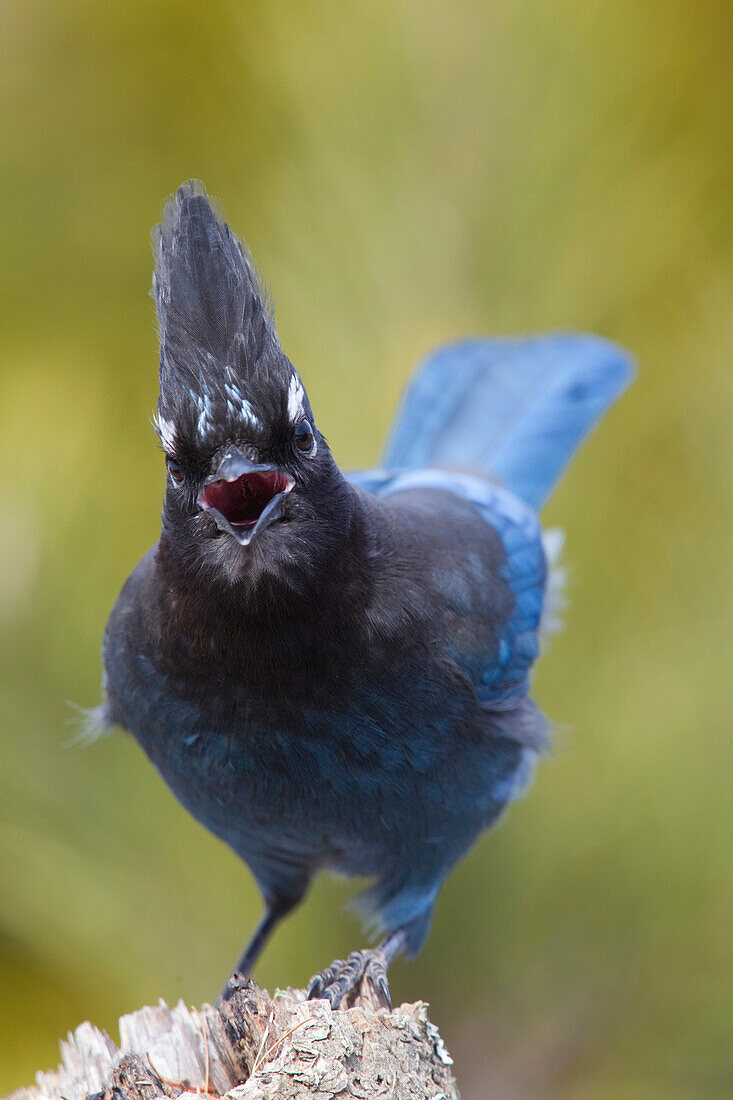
250 1046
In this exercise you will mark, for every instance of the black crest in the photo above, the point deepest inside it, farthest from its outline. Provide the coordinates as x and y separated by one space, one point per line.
221 365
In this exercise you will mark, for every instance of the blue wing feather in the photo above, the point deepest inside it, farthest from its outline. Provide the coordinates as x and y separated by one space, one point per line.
503 679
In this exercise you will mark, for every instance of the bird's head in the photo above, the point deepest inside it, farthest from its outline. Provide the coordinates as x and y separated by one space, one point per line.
252 488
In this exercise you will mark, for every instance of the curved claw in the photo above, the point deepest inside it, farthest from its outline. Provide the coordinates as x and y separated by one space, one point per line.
381 986
319 983
315 989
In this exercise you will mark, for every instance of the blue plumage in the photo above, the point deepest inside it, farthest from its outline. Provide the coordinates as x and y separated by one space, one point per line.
515 408
501 675
333 672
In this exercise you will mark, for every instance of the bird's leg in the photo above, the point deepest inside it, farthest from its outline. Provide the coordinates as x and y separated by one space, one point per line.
344 976
261 935
273 915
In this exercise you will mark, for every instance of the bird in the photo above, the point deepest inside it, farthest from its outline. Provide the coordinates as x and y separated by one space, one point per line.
332 671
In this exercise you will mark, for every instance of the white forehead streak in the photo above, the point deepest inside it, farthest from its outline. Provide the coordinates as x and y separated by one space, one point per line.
296 398
166 432
238 405
203 404
248 414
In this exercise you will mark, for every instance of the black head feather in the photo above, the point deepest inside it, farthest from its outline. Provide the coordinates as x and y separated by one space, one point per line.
223 373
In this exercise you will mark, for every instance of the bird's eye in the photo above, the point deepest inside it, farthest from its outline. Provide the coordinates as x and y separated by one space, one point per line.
175 471
304 438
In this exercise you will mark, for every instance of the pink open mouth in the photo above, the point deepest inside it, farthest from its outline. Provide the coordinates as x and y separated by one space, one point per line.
242 502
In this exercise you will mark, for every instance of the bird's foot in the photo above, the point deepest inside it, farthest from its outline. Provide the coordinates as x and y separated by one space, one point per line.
344 978
236 983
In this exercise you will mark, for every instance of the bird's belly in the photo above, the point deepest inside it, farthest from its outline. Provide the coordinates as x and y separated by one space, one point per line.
386 779
362 796
219 779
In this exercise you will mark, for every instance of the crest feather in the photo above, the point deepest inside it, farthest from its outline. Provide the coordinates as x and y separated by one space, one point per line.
206 290
223 374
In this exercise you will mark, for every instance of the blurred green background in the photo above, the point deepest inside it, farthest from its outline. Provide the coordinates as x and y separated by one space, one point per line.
404 174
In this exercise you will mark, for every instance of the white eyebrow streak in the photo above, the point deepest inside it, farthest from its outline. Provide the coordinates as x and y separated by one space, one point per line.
166 432
296 398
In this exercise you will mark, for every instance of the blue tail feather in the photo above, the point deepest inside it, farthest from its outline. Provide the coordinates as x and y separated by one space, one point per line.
515 408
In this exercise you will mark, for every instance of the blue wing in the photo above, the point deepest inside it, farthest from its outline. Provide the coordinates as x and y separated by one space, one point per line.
502 679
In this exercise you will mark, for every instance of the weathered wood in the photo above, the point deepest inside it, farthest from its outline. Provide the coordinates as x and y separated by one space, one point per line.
250 1046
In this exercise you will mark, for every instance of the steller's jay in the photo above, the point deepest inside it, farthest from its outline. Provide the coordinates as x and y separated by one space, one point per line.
329 670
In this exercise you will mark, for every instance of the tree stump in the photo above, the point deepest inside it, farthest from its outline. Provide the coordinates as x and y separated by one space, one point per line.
250 1046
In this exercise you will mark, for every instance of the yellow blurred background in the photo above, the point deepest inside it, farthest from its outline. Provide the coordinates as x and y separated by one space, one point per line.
405 174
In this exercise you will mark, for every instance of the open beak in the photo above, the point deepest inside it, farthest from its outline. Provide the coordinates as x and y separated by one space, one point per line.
242 497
